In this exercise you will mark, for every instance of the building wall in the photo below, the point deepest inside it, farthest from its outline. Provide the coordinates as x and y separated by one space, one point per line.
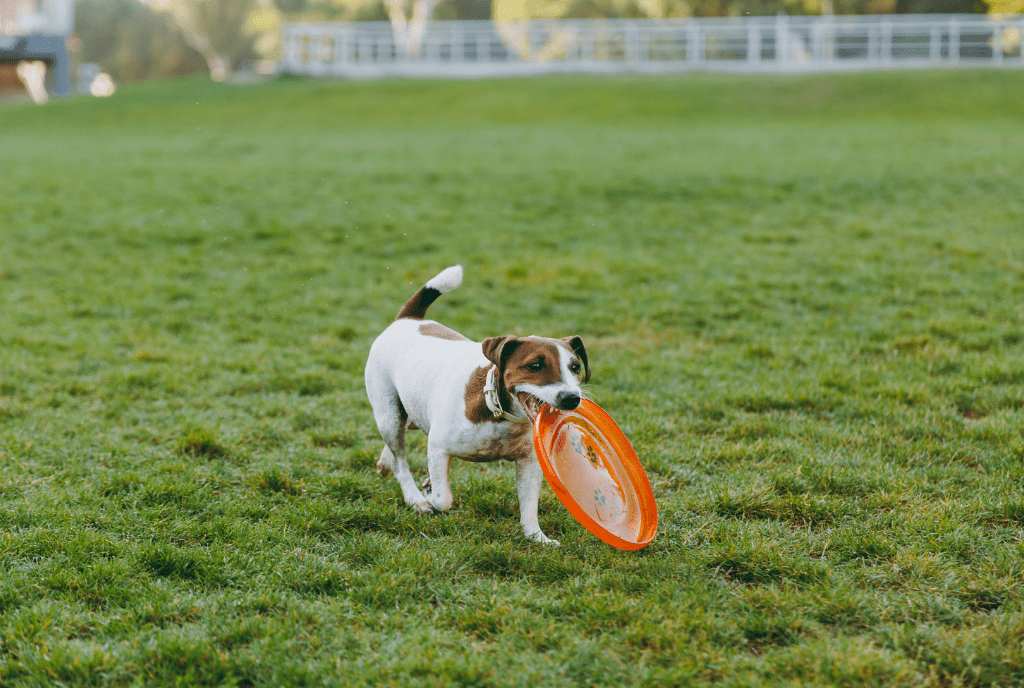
44 17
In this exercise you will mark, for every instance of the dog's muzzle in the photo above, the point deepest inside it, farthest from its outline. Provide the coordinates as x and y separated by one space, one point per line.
567 401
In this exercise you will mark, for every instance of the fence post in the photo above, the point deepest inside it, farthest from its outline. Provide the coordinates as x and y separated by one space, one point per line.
312 51
753 41
885 44
297 41
954 40
302 51
286 47
693 51
312 48
321 52
997 43
782 38
340 52
828 48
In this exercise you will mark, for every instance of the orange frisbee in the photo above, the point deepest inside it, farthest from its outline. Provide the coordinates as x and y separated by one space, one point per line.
595 473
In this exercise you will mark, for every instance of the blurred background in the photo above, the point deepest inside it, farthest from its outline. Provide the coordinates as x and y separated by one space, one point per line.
121 41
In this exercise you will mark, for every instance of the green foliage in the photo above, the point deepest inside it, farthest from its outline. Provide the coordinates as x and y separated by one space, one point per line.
801 299
374 10
941 7
132 42
222 31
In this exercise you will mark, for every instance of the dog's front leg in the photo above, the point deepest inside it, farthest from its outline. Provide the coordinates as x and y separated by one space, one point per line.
528 480
438 462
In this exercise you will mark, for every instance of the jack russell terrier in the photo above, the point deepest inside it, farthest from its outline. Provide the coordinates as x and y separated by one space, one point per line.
475 400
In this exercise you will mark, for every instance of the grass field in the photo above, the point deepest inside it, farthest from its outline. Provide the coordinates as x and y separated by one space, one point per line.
802 300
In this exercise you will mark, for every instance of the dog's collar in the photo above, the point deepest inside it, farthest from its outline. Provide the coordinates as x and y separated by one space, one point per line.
494 403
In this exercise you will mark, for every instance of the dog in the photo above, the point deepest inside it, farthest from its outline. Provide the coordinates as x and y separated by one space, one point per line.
476 401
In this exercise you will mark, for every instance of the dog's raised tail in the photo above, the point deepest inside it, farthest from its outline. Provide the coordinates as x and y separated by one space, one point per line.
443 282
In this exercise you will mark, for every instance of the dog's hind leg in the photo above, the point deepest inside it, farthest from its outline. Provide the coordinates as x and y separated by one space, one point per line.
385 462
393 458
400 467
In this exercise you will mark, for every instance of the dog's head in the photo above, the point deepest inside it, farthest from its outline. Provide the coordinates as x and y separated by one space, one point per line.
534 371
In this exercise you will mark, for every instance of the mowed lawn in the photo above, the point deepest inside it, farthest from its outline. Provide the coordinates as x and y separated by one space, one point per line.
803 301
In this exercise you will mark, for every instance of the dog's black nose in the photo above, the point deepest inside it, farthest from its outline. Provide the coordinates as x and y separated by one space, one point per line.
567 401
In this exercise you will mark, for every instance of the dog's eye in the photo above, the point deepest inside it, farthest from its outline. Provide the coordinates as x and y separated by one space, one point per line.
574 367
535 367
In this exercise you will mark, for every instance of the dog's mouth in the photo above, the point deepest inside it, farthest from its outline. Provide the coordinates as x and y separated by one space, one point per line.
531 404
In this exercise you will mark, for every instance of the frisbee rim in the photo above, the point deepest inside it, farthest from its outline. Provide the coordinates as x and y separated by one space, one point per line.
543 427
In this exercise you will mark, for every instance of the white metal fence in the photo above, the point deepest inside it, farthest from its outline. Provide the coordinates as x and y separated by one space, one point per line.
749 44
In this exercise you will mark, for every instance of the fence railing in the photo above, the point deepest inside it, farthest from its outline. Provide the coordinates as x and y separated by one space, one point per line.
749 44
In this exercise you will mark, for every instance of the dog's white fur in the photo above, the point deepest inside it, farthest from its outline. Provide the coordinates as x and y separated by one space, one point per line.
446 280
417 380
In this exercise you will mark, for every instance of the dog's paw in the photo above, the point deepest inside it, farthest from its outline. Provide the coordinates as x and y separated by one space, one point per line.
542 539
423 507
439 503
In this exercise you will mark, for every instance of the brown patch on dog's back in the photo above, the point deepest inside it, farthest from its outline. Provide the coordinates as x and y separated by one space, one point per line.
433 329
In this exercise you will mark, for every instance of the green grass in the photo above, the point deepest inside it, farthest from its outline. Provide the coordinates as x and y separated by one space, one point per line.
802 300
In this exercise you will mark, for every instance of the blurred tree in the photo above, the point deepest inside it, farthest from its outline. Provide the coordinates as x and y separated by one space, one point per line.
512 10
131 42
463 9
408 17
374 10
1006 6
409 21
761 8
941 6
229 34
512 20
328 10
525 10
863 6
521 10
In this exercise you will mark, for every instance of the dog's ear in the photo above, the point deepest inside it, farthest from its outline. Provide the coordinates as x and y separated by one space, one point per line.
576 345
497 350
492 347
